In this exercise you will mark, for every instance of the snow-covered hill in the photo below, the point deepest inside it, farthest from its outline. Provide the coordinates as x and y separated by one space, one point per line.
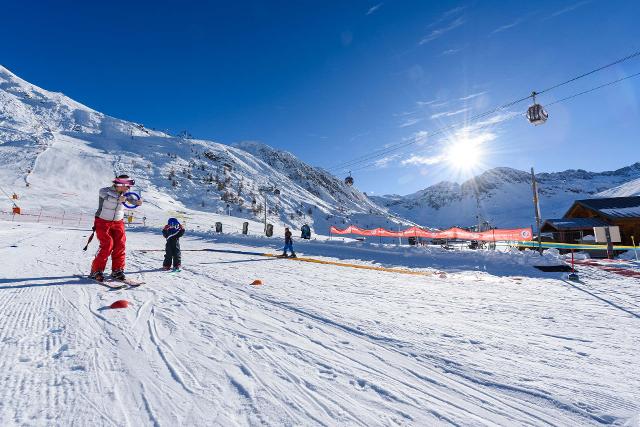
480 338
55 153
631 188
504 196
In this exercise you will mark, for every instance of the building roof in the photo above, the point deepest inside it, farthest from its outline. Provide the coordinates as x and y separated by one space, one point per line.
612 207
573 224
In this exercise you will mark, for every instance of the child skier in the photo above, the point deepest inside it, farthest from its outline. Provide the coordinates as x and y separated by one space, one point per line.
172 232
109 228
288 243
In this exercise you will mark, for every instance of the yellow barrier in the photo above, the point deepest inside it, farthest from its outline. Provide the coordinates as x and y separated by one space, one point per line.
440 274
363 267
547 245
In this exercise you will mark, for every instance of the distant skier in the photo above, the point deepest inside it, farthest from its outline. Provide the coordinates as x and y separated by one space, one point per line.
172 232
109 228
288 243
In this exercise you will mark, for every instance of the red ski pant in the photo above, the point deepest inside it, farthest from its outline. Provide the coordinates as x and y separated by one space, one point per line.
112 242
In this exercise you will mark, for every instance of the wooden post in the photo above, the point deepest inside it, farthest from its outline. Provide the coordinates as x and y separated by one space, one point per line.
607 233
573 270
265 212
493 232
536 207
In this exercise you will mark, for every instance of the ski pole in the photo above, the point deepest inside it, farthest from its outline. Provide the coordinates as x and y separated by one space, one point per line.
90 237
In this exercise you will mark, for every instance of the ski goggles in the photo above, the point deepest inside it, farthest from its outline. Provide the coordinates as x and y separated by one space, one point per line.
124 182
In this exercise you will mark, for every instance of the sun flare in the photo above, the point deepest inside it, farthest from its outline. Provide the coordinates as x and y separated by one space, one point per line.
464 155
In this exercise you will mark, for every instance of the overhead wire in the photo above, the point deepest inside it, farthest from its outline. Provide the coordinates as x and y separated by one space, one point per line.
370 164
611 64
593 89
518 114
397 146
8 197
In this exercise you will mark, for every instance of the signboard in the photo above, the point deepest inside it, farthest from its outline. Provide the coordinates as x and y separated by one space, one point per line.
601 234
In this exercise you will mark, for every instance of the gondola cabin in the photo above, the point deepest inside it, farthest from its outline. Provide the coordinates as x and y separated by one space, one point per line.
349 180
536 114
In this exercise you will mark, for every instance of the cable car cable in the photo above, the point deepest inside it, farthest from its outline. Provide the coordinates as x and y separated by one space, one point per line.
519 114
8 197
594 89
392 148
633 55
522 114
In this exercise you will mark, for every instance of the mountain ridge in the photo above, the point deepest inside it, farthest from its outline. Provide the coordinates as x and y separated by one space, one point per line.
41 131
46 137
502 196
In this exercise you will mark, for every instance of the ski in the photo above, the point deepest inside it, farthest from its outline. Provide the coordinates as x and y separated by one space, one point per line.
129 283
114 284
110 286
105 283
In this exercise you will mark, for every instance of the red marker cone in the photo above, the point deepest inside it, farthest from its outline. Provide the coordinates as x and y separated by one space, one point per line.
121 303
256 282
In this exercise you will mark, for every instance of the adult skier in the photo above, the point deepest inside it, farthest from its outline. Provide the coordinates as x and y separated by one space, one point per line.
288 243
109 228
172 232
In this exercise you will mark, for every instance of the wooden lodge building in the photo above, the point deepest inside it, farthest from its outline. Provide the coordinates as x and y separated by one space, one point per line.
583 215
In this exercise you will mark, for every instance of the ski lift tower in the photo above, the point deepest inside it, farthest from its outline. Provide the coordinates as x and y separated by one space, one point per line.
266 190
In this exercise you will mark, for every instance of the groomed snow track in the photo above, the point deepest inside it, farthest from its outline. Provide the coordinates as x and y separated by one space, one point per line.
317 344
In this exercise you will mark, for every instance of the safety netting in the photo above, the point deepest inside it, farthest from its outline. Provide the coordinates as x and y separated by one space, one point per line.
495 235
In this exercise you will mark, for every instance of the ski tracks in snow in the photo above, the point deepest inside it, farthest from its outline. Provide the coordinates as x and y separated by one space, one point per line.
316 345
276 329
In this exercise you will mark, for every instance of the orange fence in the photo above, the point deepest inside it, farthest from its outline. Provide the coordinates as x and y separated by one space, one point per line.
514 234
47 216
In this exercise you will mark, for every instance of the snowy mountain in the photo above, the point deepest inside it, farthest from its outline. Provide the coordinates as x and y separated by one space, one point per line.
503 196
631 188
55 153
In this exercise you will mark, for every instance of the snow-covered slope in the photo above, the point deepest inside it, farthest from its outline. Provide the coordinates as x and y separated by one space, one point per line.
487 340
631 188
55 153
505 196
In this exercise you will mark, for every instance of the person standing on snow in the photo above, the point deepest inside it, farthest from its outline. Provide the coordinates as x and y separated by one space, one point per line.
172 232
109 228
288 243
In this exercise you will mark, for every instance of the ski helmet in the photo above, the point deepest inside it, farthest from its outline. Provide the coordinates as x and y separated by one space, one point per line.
173 222
123 180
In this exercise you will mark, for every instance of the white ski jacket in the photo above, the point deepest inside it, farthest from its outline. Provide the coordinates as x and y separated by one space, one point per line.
109 208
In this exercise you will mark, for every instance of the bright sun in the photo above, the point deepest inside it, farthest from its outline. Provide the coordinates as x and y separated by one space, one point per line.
464 155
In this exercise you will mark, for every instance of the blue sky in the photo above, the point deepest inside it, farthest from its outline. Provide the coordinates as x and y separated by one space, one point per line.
332 81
